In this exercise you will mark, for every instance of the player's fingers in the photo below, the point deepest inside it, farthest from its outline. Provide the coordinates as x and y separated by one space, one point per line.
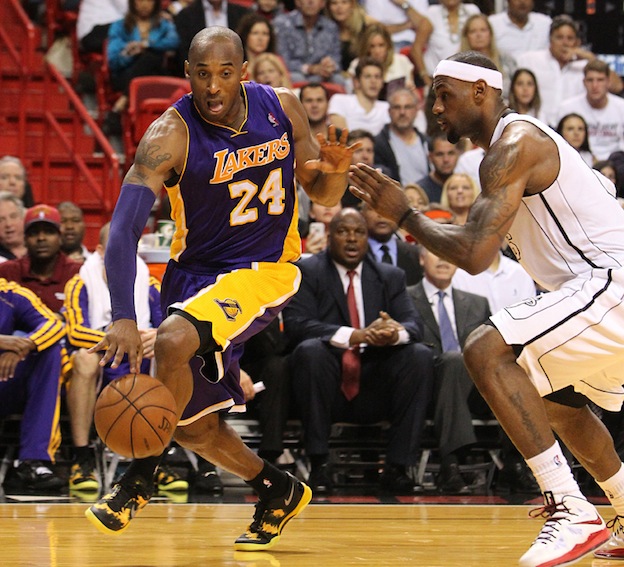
331 134
343 138
102 345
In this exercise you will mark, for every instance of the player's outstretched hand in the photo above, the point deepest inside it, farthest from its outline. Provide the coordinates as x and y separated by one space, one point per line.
335 155
122 338
382 193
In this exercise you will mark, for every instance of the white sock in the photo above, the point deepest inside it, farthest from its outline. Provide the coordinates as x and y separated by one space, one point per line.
553 473
614 489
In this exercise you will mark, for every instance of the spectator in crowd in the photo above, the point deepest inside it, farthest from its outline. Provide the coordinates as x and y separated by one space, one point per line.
357 360
416 196
269 69
138 45
385 246
12 243
449 316
443 158
469 162
351 19
363 109
264 360
176 6
258 37
315 100
45 269
504 283
398 70
201 14
73 231
603 112
268 8
94 20
405 19
400 147
607 168
458 194
477 35
447 21
316 237
558 69
309 43
520 29
30 367
573 129
365 153
88 314
13 178
524 96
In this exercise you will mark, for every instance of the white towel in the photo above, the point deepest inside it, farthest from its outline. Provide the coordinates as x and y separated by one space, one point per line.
100 316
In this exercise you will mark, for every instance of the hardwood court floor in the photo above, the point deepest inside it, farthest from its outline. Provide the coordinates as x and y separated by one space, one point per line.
325 535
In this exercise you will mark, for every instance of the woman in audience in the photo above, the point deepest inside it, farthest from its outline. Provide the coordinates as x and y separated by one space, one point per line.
416 196
351 19
376 43
13 179
138 46
458 193
430 47
258 37
316 240
478 35
269 69
524 95
573 128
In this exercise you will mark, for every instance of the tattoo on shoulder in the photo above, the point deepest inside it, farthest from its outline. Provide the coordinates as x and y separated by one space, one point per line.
149 156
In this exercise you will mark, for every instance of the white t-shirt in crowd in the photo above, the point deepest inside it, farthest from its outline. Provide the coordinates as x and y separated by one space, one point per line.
605 126
348 106
513 40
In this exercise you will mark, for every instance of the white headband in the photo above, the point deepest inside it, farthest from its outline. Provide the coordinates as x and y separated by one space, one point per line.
469 73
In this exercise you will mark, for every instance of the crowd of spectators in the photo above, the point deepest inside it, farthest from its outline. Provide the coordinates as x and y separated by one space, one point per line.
365 66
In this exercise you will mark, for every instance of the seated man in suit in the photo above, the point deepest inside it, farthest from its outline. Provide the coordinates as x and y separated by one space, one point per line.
358 355
385 246
449 316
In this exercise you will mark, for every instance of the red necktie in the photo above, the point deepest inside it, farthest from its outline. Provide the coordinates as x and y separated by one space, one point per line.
351 363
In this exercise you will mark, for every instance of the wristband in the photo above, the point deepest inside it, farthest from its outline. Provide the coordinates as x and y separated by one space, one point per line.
131 213
405 6
407 214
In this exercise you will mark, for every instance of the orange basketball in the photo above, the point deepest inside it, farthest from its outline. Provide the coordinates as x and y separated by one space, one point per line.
135 416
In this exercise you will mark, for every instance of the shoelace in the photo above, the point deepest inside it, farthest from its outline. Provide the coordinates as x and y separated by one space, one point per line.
257 517
617 526
550 508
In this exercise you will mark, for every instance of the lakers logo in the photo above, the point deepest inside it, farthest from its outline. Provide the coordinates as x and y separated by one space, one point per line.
230 307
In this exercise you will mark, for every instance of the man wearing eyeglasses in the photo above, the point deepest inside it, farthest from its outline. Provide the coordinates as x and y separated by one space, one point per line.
400 146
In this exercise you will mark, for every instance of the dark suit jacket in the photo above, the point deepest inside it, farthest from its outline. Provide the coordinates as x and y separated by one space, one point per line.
320 308
471 311
192 19
408 259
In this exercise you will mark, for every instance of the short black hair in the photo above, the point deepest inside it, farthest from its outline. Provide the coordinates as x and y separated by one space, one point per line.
313 85
474 58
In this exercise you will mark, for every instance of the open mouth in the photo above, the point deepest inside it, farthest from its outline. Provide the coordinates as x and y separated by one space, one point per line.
215 106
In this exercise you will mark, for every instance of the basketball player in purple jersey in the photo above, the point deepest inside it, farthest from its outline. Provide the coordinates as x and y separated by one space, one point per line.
227 153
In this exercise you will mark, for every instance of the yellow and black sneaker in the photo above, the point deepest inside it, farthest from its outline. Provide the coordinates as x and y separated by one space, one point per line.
270 517
166 479
83 476
112 513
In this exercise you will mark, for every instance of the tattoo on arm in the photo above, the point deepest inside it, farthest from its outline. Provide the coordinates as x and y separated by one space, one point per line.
148 156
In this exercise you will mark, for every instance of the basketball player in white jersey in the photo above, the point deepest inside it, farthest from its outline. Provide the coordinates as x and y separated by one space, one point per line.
538 362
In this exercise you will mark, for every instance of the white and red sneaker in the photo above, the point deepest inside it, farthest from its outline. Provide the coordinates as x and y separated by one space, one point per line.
573 528
614 548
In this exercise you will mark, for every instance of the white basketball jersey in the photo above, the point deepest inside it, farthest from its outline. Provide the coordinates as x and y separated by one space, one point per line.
571 228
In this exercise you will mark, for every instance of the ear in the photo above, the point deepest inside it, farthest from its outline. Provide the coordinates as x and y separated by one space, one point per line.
479 91
186 70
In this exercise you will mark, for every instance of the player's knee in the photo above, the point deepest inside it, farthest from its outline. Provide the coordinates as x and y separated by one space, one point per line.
482 352
176 341
85 365
198 434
